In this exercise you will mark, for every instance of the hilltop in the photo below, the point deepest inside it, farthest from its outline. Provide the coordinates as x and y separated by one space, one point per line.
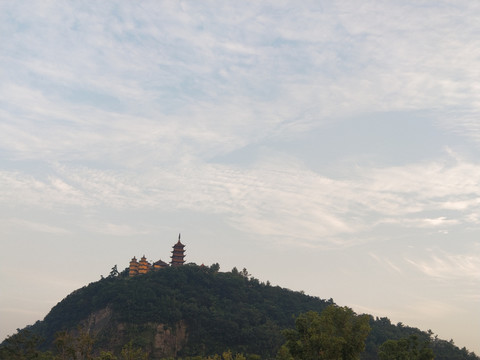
192 310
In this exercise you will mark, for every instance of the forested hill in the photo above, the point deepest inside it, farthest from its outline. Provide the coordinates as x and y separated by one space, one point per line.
195 310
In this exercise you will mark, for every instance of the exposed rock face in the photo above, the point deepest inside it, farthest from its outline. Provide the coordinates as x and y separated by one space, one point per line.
166 342
98 320
162 340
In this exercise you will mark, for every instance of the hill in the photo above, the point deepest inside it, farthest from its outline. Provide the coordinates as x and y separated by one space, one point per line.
195 310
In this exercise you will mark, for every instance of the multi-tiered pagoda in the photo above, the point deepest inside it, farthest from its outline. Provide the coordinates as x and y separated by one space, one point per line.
143 266
178 253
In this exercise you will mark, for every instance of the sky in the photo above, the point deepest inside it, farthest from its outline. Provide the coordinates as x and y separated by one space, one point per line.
330 147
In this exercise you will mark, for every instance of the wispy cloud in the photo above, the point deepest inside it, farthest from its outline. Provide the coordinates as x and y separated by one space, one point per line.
117 108
34 226
387 263
267 199
116 229
450 266
221 80
464 123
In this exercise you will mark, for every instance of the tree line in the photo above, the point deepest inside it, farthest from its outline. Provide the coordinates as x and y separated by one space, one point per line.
335 334
222 311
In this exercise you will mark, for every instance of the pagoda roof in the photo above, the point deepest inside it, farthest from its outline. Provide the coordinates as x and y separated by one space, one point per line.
160 262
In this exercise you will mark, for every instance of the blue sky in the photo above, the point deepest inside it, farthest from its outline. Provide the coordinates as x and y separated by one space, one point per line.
329 147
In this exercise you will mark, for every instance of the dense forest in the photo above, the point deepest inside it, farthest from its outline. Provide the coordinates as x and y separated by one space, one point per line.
195 311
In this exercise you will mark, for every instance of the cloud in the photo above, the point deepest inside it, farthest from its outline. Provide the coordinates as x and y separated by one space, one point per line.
420 187
138 115
35 226
420 222
440 221
116 110
220 80
464 123
279 198
116 229
384 261
38 192
449 266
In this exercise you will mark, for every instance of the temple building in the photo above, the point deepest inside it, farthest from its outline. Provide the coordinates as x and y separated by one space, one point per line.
143 266
133 269
159 265
178 253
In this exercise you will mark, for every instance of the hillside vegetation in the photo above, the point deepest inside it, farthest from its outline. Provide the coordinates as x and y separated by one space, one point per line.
192 310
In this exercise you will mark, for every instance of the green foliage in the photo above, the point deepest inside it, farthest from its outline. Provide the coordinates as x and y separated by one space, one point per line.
129 352
78 346
22 346
284 353
106 355
114 272
336 333
220 311
405 349
446 350
227 355
215 268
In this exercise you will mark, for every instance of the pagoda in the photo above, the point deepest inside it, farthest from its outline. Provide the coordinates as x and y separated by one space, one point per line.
133 270
143 265
178 253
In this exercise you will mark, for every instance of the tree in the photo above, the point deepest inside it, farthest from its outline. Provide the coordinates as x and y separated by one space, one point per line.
284 354
114 272
215 268
405 349
22 346
106 355
335 334
129 352
245 273
84 345
64 345
79 346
